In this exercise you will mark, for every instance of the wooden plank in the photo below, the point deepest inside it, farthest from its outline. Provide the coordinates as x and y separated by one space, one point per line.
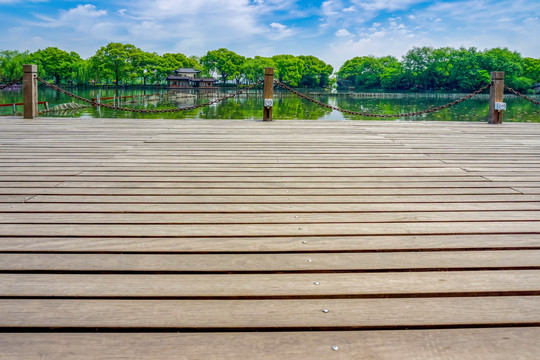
272 285
14 198
82 178
284 199
278 171
253 191
449 344
268 244
531 190
436 260
527 204
73 183
263 218
241 164
281 314
301 229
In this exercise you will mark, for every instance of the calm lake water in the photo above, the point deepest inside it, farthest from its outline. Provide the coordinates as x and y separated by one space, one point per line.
286 105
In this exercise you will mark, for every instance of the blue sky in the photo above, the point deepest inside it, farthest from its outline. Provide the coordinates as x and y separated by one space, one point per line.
333 30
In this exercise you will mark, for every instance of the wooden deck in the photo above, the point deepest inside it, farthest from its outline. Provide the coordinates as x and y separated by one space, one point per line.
175 239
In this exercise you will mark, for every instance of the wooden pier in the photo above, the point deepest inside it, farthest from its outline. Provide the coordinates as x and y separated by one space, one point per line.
194 239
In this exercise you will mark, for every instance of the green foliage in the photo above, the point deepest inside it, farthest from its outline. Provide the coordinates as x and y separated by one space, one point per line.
421 69
369 72
253 69
115 61
56 64
531 69
170 62
427 68
11 62
504 60
224 62
316 73
288 69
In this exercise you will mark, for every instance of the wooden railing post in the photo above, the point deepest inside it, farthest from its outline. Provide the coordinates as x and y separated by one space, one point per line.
30 91
268 94
496 95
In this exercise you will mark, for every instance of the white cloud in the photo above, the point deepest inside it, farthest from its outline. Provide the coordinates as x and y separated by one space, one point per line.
343 33
269 27
77 17
378 5
329 8
280 31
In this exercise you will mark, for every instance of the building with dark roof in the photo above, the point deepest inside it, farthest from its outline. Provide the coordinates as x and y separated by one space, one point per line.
187 78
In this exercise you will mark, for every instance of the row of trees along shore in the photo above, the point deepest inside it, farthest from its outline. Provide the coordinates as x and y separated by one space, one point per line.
421 69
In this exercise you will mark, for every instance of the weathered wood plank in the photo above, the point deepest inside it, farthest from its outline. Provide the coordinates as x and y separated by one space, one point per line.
82 178
527 204
301 229
448 344
272 285
263 218
268 244
217 184
284 199
253 191
281 314
272 262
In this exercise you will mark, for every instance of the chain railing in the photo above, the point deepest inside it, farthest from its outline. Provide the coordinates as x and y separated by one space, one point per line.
430 110
11 83
158 111
521 95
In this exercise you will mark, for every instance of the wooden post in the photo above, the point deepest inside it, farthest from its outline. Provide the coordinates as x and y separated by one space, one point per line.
268 94
30 91
496 94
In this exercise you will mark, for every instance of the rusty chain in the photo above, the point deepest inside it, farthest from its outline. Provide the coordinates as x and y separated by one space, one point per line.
521 95
430 110
95 103
11 83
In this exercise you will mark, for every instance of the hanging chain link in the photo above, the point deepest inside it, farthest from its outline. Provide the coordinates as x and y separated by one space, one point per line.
146 111
521 95
11 83
430 110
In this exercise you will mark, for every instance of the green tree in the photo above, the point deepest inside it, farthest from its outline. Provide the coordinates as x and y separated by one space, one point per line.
114 61
499 59
11 62
531 69
224 62
145 65
466 73
391 73
173 61
54 63
288 68
253 69
81 74
419 68
315 72
370 72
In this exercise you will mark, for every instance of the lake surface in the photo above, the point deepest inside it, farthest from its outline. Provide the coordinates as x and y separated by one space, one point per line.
286 105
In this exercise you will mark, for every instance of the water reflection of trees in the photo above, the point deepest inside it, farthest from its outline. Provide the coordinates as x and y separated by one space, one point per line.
471 110
292 107
286 106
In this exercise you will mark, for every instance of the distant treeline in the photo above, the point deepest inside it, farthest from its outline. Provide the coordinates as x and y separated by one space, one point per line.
449 69
421 69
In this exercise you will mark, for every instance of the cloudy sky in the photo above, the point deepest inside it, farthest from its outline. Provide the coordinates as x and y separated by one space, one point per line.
333 30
